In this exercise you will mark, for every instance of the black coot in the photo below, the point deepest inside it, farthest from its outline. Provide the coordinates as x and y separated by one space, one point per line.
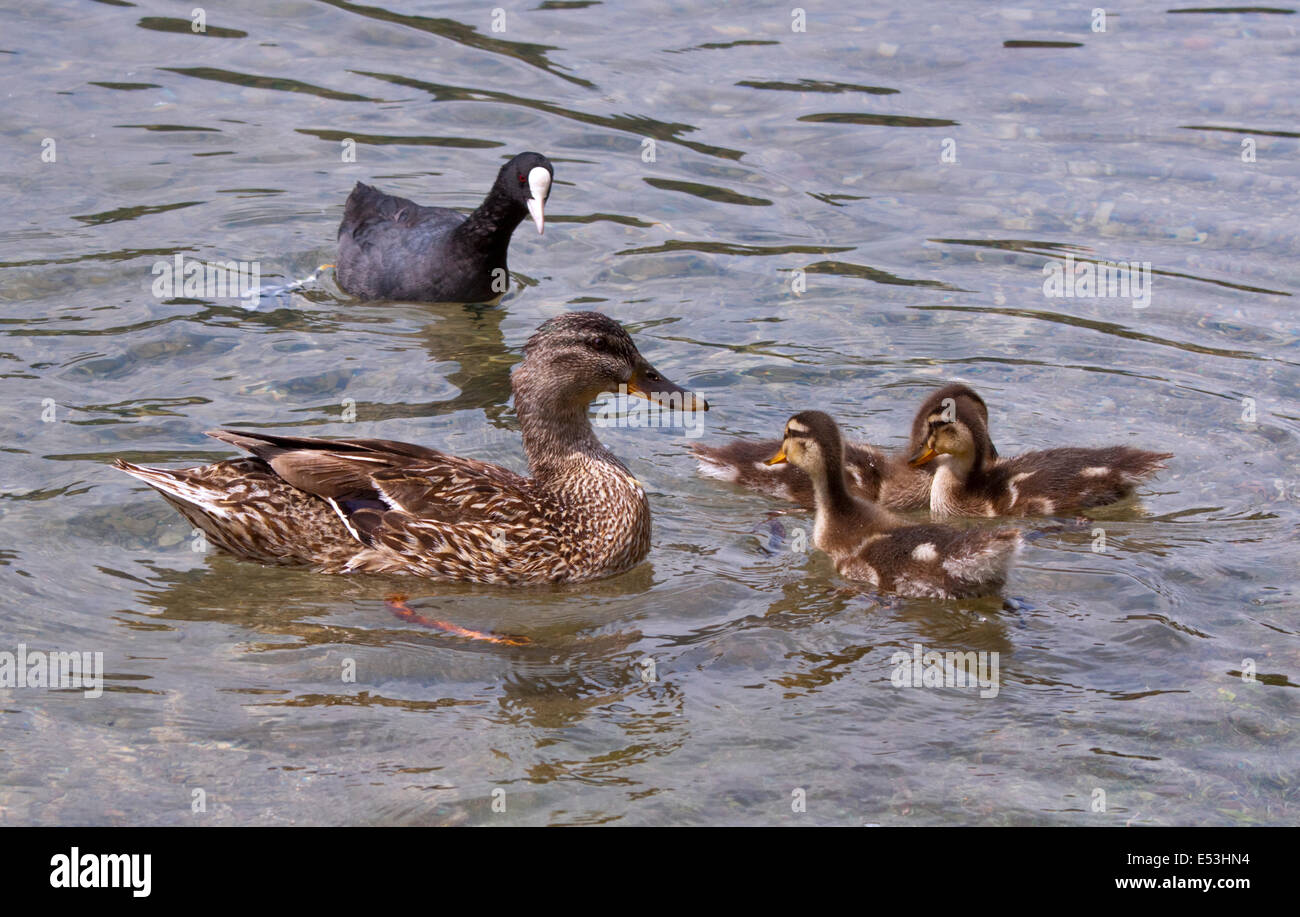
392 248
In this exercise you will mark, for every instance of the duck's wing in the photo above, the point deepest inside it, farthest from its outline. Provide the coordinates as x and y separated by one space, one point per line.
417 509
1070 479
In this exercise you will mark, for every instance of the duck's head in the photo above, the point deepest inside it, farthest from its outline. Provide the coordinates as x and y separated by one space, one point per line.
526 180
577 356
953 422
812 443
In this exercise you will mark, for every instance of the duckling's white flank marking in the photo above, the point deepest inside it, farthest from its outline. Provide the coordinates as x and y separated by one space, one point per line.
1096 471
925 552
1011 485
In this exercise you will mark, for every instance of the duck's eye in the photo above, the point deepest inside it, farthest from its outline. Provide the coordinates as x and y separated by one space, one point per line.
654 376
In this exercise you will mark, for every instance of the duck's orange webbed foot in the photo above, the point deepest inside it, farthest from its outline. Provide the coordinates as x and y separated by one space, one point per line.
397 603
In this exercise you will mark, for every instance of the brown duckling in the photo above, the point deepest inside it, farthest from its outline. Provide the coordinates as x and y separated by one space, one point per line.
378 506
873 474
970 479
870 544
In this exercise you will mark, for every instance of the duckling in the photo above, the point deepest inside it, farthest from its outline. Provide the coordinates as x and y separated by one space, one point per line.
882 477
378 506
393 248
971 480
869 544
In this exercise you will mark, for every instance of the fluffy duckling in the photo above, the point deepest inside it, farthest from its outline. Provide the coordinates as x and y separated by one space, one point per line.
971 480
873 474
378 506
870 544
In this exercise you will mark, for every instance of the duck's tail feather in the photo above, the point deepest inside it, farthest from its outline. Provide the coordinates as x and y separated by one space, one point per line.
242 509
181 487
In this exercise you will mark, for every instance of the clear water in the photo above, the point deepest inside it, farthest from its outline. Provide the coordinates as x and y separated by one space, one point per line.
774 151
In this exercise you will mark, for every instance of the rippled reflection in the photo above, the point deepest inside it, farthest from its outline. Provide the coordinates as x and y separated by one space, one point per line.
838 218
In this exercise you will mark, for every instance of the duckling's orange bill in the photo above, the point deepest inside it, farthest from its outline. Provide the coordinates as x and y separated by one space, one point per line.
777 459
922 457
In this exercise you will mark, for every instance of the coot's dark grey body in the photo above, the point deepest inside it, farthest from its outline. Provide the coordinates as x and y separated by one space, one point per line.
393 248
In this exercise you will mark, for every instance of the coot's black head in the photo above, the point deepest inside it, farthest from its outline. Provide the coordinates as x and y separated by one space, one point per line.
526 179
953 421
577 356
812 442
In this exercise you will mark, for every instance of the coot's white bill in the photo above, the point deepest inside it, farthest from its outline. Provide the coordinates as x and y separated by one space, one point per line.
539 186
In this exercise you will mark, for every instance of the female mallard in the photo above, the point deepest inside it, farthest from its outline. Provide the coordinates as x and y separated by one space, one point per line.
392 248
971 480
882 477
376 506
872 545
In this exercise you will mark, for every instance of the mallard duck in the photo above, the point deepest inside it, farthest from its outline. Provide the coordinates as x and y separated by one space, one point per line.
870 544
392 248
376 506
971 480
873 474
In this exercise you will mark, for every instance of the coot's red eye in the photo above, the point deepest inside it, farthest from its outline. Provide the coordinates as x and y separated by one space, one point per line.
523 180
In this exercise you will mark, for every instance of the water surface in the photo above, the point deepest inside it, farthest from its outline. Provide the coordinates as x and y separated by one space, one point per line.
910 172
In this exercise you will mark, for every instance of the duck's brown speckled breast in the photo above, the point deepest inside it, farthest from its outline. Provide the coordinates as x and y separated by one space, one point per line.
602 521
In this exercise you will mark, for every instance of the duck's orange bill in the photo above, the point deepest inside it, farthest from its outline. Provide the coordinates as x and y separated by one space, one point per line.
663 392
777 459
922 457
399 607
